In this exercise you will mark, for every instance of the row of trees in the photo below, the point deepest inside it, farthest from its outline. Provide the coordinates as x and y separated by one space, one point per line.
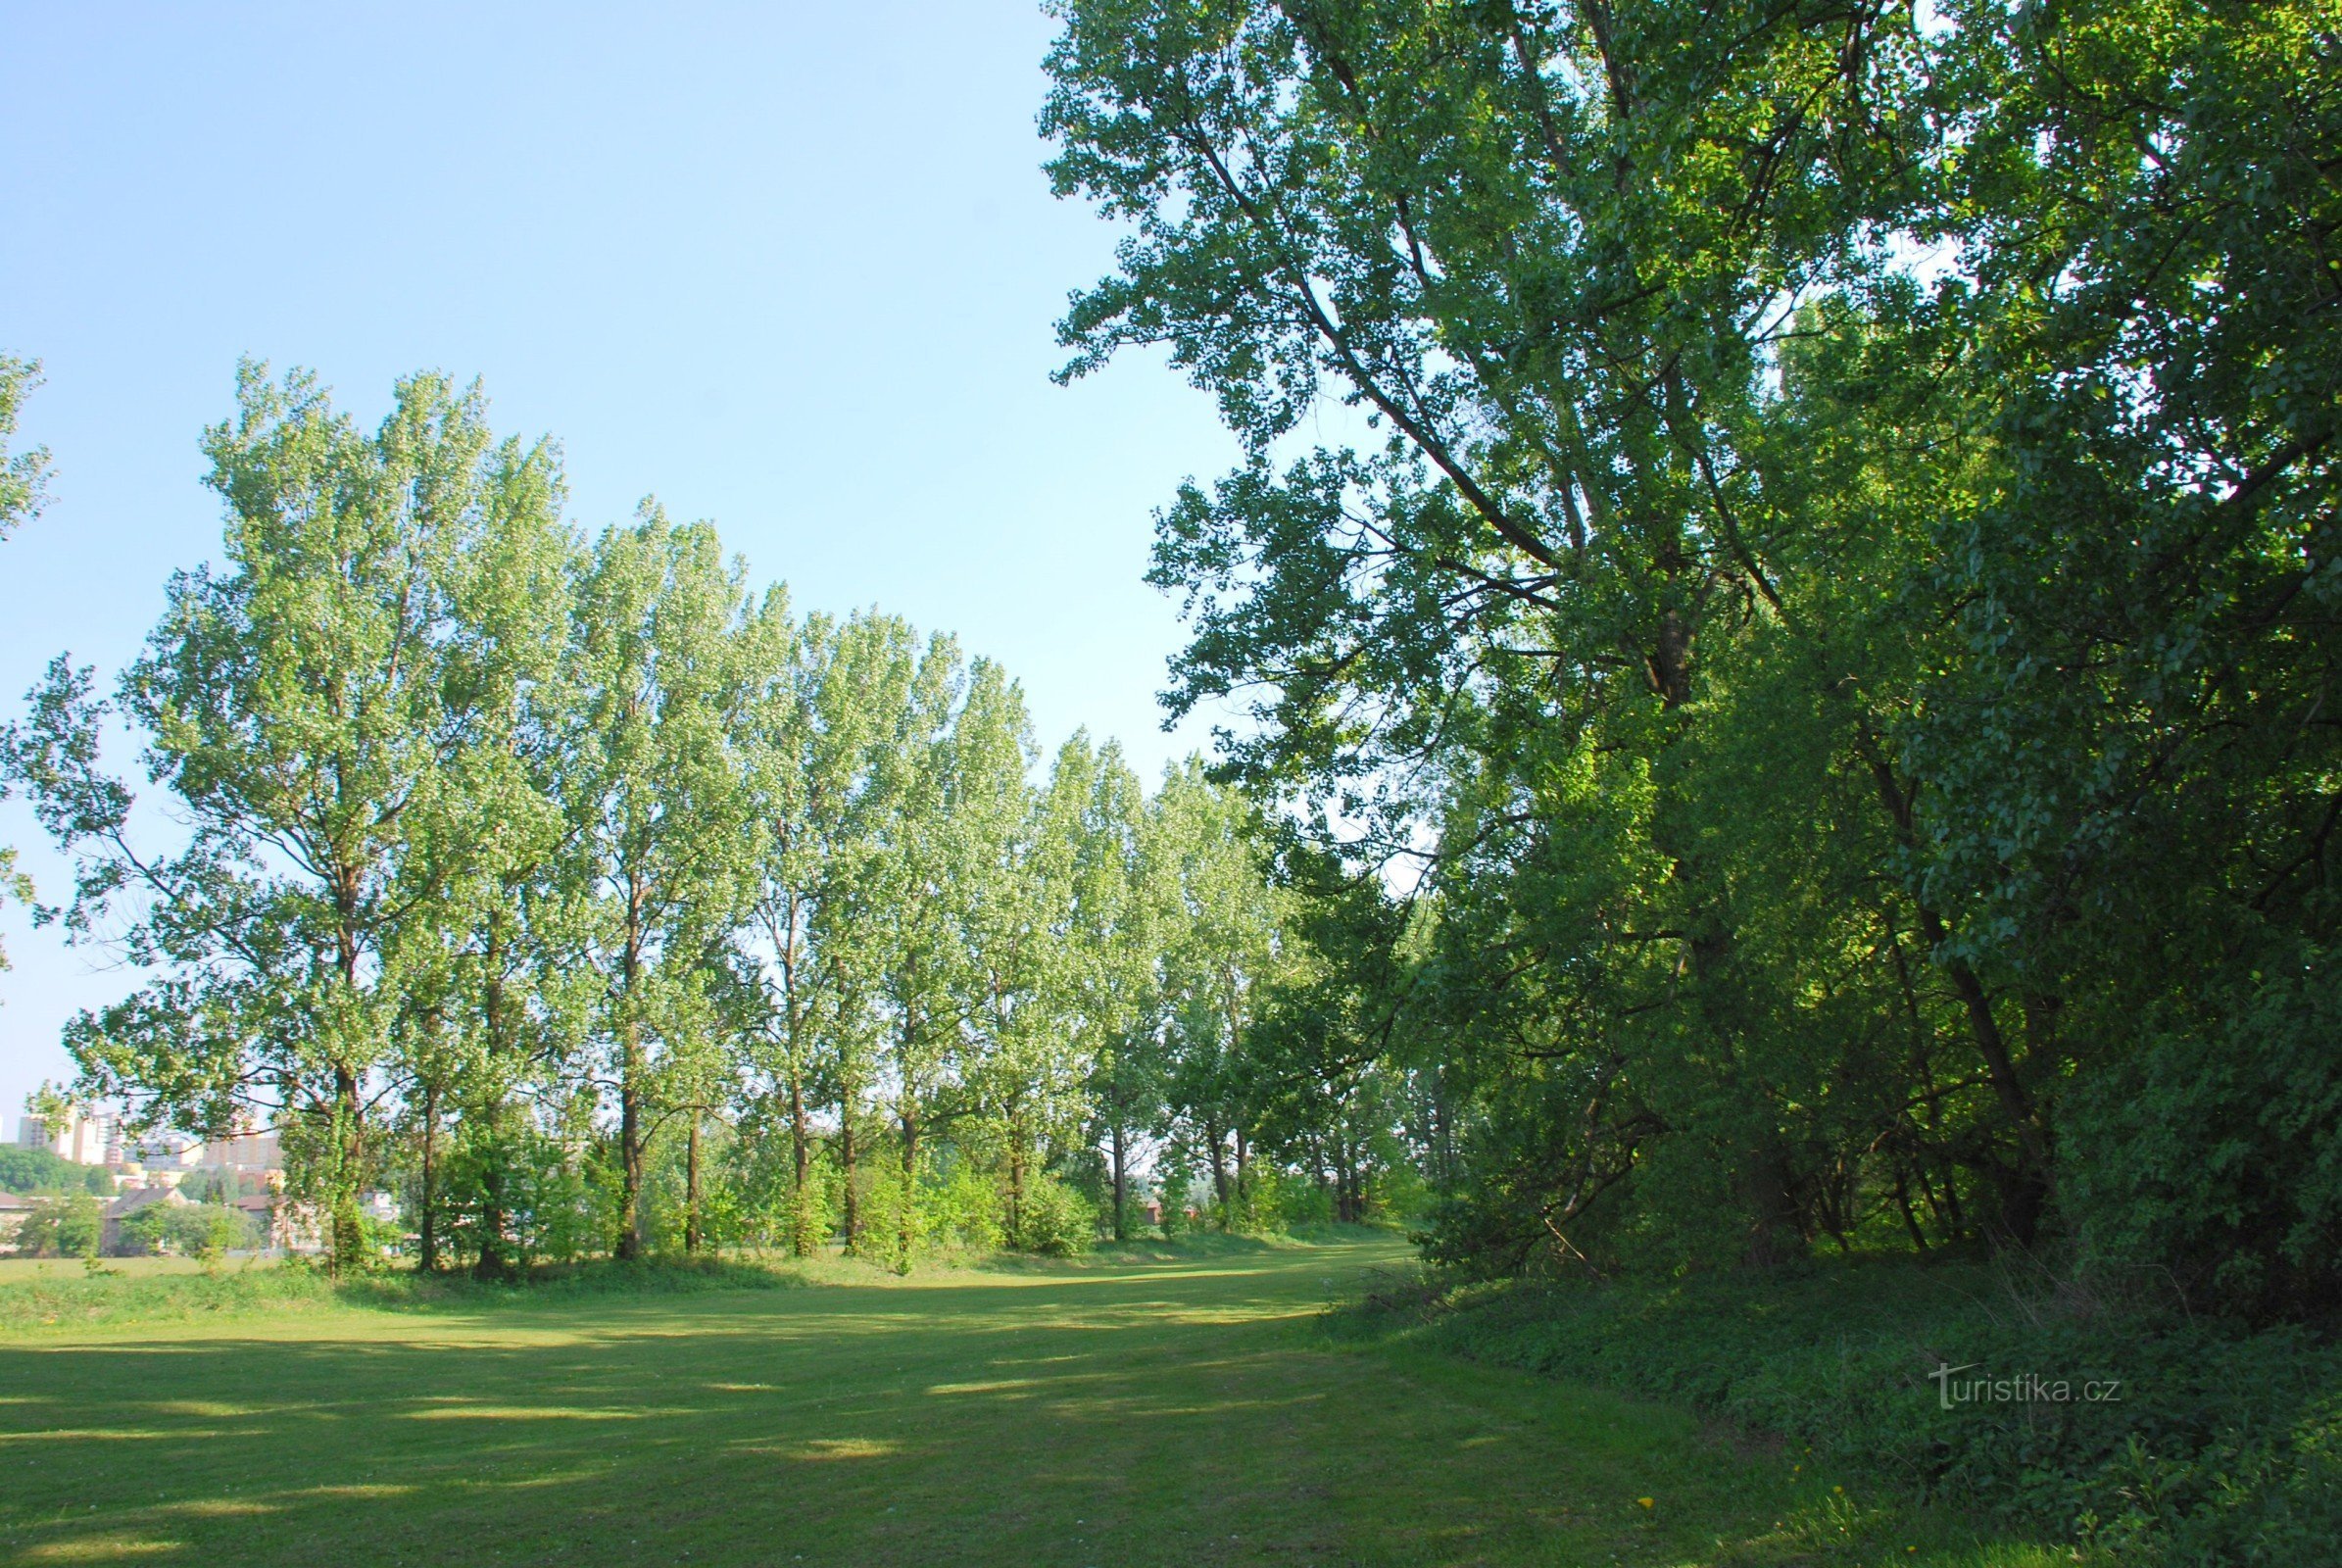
1811 720
539 874
1835 635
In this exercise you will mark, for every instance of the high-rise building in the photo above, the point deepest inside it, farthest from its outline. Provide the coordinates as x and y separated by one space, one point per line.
86 1138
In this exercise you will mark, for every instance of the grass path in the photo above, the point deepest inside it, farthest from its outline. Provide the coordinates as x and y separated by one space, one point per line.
1125 1411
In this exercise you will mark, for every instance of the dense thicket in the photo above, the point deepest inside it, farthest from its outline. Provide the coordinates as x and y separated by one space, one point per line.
1831 645
594 904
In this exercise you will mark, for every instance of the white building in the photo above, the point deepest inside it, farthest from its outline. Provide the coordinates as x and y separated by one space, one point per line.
169 1151
252 1153
85 1138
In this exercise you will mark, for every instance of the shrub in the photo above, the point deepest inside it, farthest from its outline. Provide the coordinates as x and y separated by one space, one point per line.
2217 1448
193 1230
522 1192
1276 1201
964 1206
1055 1220
63 1227
2212 1153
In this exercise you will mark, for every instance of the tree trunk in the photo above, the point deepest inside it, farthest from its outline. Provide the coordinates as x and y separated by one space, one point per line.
633 1134
349 1230
348 1245
691 1188
1773 1236
905 1210
802 1240
2026 1192
851 1202
1122 1187
1244 1187
1219 1170
1919 1235
429 1240
493 1262
630 1150
1016 1184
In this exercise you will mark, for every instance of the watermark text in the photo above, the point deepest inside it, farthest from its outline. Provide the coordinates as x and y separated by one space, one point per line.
1952 1390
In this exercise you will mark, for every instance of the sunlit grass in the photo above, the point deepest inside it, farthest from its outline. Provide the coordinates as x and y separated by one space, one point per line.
1156 1406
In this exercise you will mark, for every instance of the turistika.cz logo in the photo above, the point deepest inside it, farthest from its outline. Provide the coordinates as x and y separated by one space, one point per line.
2023 1388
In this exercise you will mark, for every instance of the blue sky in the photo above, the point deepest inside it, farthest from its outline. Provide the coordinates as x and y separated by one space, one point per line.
790 267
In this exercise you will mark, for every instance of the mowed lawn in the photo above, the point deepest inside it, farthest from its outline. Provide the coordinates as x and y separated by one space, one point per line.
1125 1410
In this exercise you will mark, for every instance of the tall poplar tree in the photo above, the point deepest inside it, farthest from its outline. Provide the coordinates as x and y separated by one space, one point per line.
470 966
1110 951
303 709
656 861
1025 1065
1222 940
958 746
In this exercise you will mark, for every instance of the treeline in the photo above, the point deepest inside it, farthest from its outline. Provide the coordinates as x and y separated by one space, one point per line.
597 904
38 1170
1834 635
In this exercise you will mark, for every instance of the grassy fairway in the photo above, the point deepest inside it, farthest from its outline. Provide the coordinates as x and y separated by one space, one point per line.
1129 1410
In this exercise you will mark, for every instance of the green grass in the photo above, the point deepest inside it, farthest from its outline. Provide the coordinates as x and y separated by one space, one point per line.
49 1297
2218 1444
1165 1404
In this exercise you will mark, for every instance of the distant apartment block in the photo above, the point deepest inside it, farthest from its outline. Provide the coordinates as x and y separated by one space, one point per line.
85 1138
156 1159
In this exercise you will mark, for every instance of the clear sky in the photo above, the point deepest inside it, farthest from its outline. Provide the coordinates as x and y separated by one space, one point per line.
792 268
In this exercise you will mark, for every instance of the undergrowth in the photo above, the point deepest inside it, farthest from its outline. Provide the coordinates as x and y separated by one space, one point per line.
2165 1441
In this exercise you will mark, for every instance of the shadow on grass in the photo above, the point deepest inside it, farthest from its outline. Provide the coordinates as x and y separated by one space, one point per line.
1140 1415
109 1297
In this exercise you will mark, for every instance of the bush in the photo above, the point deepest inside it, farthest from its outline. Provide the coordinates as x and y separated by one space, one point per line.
2216 1446
2211 1155
1055 1221
63 1227
522 1194
964 1206
1175 1189
1277 1200
192 1229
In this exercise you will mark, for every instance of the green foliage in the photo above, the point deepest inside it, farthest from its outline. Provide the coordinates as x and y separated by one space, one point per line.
222 1187
306 709
23 490
2211 1446
963 1208
1054 1220
186 1230
40 1170
24 476
62 1227
626 912
1175 1183
660 665
2209 1158
1820 655
513 1196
